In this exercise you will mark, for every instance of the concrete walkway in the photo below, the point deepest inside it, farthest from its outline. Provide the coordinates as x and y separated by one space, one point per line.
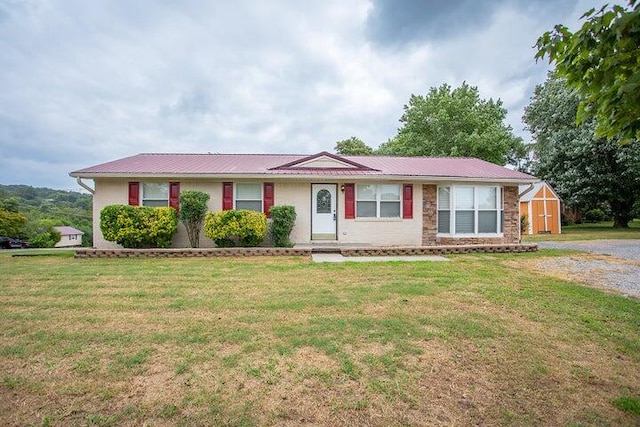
408 258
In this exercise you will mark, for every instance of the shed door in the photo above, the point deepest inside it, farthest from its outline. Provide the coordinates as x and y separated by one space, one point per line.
538 216
552 216
323 212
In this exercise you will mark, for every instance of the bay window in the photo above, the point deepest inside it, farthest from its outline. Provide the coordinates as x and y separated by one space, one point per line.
470 210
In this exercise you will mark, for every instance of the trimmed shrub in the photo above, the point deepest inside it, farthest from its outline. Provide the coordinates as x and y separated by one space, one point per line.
138 226
283 219
193 208
230 228
524 224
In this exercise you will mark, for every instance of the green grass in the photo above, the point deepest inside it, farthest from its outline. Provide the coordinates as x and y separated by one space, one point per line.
628 403
35 252
590 231
273 341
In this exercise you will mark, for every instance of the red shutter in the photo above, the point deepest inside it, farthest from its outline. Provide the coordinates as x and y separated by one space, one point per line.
349 201
267 198
134 193
227 196
407 201
174 195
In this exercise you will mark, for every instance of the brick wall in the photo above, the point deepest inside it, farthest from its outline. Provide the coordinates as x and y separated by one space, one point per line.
303 252
511 232
429 214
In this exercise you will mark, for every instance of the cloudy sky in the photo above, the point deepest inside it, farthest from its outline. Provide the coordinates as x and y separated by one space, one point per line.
85 82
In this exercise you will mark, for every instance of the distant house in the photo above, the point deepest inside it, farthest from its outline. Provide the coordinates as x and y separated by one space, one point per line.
370 200
69 237
541 207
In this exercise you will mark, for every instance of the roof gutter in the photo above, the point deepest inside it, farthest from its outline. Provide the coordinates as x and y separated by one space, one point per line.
301 177
85 186
527 189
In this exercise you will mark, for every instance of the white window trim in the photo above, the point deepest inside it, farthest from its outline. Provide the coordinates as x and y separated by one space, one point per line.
235 194
378 202
476 209
144 199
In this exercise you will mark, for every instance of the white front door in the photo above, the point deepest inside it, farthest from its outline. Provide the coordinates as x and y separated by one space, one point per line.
323 211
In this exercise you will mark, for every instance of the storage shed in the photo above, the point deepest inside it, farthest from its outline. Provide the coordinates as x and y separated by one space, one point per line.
540 205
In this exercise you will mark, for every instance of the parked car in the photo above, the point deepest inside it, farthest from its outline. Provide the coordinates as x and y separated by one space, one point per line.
11 243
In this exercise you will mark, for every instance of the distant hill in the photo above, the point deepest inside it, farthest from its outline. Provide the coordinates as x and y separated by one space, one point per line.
64 207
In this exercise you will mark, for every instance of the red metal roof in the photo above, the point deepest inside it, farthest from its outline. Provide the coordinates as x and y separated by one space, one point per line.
155 164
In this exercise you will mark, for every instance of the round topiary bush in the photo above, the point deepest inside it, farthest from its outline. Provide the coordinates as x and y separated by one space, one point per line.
236 227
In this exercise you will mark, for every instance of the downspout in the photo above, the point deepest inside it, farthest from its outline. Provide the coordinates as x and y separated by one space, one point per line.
85 186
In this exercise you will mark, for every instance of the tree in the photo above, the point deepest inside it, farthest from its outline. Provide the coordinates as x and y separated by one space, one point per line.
600 61
11 223
10 204
193 208
353 147
455 122
63 207
41 233
585 170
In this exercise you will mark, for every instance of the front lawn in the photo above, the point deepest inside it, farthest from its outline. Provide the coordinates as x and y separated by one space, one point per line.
283 341
589 231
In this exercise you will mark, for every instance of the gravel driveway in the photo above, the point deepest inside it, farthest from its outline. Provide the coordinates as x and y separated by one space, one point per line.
627 249
618 269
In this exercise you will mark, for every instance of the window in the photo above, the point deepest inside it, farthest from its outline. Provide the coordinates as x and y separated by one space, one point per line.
469 210
249 196
323 201
378 201
155 194
444 207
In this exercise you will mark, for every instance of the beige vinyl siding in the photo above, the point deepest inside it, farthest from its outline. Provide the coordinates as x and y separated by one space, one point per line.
112 191
374 231
383 231
107 192
69 241
297 194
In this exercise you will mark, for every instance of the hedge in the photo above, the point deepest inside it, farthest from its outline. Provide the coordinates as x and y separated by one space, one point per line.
139 226
229 228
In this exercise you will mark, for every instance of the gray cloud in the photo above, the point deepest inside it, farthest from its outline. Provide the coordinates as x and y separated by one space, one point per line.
83 82
392 22
399 23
